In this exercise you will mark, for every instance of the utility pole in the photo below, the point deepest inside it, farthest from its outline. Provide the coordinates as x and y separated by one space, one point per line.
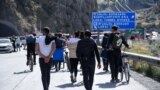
40 26
108 4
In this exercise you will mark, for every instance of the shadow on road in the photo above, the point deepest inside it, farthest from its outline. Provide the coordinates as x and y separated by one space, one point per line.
68 85
122 83
111 85
22 72
102 73
5 53
79 84
61 71
107 85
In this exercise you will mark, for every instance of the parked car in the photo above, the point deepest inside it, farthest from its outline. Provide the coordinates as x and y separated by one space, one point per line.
23 40
6 45
18 42
95 38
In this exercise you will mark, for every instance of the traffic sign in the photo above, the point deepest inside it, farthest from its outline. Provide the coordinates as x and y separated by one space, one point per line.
105 20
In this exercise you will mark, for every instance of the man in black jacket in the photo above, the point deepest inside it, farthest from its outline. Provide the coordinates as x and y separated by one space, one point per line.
86 50
114 46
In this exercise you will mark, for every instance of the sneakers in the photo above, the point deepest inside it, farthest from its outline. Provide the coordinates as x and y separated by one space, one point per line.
73 79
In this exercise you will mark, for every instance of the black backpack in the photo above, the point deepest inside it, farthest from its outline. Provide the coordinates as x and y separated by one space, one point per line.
59 43
117 41
85 49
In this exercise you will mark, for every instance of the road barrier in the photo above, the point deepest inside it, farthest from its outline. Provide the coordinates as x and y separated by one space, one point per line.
139 57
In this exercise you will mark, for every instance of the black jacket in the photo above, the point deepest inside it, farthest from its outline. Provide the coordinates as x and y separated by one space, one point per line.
105 41
87 43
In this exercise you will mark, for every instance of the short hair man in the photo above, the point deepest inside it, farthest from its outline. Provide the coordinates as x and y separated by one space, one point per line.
86 51
114 54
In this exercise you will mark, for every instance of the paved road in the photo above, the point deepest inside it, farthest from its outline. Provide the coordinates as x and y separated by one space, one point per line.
14 75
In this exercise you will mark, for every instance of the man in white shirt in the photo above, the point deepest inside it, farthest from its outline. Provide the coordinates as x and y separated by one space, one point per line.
72 45
18 44
45 46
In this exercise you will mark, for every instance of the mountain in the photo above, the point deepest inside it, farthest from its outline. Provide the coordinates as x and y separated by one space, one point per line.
60 15
147 11
71 15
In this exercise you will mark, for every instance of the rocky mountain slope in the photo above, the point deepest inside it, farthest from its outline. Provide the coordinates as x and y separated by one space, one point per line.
147 11
60 15
71 15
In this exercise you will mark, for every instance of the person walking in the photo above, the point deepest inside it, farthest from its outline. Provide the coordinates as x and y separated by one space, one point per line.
58 55
31 44
45 46
72 45
13 40
114 52
18 44
86 51
104 52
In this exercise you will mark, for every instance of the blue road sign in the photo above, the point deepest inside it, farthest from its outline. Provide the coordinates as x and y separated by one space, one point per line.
105 20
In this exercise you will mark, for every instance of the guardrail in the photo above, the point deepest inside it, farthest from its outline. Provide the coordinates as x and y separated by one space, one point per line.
139 57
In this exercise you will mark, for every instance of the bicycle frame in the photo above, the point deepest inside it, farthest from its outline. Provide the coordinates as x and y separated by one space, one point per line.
125 67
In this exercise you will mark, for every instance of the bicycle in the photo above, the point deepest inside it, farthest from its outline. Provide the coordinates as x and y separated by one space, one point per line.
125 68
31 63
67 61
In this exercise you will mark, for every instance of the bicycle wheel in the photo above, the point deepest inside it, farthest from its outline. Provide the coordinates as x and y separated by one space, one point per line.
121 74
126 72
68 63
31 62
63 64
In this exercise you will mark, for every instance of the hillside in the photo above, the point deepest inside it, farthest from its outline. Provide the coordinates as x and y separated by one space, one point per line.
147 11
60 15
72 15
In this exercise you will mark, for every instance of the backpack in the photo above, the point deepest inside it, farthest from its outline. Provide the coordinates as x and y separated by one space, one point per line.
59 43
117 41
85 49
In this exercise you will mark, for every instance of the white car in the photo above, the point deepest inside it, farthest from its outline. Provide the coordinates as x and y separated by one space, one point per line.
95 38
6 45
23 40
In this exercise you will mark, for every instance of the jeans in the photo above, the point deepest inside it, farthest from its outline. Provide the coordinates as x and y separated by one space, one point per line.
74 64
57 65
45 71
114 59
31 49
105 64
88 69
